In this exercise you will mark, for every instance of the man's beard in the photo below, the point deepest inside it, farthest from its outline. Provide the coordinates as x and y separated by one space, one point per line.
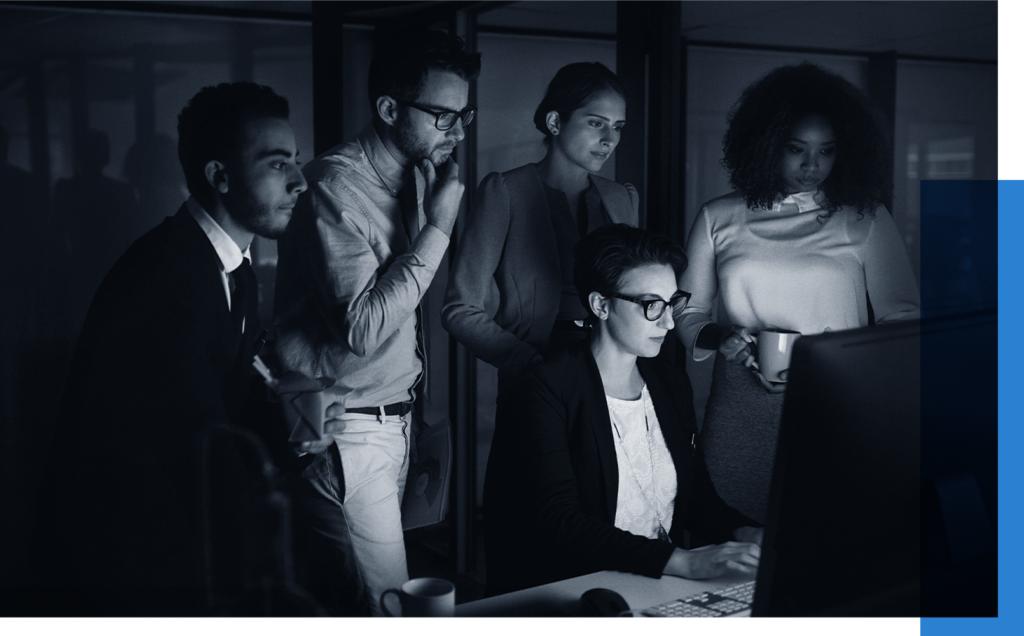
416 149
257 217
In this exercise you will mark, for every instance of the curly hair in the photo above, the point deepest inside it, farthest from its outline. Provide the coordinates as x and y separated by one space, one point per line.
571 87
605 255
761 122
400 63
212 125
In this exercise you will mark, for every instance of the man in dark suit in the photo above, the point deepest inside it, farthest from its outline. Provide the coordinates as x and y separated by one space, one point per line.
164 356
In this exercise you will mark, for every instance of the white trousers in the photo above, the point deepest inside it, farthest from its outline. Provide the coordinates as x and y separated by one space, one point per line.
375 462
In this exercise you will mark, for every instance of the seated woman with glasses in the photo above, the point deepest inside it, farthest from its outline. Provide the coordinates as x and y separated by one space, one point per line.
525 222
595 463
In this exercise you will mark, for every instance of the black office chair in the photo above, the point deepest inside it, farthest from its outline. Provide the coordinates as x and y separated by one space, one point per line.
248 558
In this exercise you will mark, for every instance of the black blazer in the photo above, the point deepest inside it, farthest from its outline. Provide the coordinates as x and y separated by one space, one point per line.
157 363
552 477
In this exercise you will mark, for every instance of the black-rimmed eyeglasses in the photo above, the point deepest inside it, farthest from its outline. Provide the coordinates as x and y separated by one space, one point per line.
445 119
654 308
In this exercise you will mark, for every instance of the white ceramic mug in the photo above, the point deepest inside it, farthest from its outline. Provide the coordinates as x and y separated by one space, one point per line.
423 597
774 350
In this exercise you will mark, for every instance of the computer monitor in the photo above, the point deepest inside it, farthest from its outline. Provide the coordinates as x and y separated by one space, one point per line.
844 513
844 533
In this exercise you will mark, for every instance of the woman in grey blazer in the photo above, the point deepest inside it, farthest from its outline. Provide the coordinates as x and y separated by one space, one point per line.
525 223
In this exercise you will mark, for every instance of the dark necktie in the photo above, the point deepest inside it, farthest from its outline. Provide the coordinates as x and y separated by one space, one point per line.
408 199
245 297
408 203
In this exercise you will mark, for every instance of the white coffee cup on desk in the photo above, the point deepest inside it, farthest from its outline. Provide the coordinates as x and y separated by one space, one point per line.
774 351
423 597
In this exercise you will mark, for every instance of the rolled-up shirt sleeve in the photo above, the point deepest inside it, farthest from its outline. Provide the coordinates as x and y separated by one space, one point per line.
701 280
363 302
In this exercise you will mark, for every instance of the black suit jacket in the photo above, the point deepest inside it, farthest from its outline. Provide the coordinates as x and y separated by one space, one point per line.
158 362
552 477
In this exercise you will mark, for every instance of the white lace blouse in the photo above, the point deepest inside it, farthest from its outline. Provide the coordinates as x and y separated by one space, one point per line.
647 475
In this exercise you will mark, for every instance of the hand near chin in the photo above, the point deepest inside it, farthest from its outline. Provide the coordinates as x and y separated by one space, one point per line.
442 193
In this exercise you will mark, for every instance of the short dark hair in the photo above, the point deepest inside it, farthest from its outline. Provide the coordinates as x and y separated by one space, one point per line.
762 121
401 62
213 123
571 87
607 253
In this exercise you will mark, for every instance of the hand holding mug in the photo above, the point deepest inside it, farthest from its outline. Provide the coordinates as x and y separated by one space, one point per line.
774 352
736 345
332 425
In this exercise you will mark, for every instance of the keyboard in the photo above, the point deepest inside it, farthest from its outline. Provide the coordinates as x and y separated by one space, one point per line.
728 601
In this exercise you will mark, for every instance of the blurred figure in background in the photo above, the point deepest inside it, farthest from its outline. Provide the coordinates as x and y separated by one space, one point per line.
151 166
97 218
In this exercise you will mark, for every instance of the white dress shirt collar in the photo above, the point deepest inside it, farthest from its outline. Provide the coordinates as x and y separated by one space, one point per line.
391 173
804 201
228 251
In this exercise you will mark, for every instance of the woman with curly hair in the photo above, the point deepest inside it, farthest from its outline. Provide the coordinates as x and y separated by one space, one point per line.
803 244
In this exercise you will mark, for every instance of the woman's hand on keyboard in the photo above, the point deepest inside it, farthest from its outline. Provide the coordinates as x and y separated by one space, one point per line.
714 560
749 534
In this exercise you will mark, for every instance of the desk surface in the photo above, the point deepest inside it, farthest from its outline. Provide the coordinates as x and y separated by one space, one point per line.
562 597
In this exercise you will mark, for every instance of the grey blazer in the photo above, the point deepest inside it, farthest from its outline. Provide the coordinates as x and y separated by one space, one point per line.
509 243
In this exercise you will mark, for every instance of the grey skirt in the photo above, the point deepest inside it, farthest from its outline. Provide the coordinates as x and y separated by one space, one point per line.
739 434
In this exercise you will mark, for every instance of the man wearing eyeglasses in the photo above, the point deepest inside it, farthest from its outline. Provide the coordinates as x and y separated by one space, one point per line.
362 249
